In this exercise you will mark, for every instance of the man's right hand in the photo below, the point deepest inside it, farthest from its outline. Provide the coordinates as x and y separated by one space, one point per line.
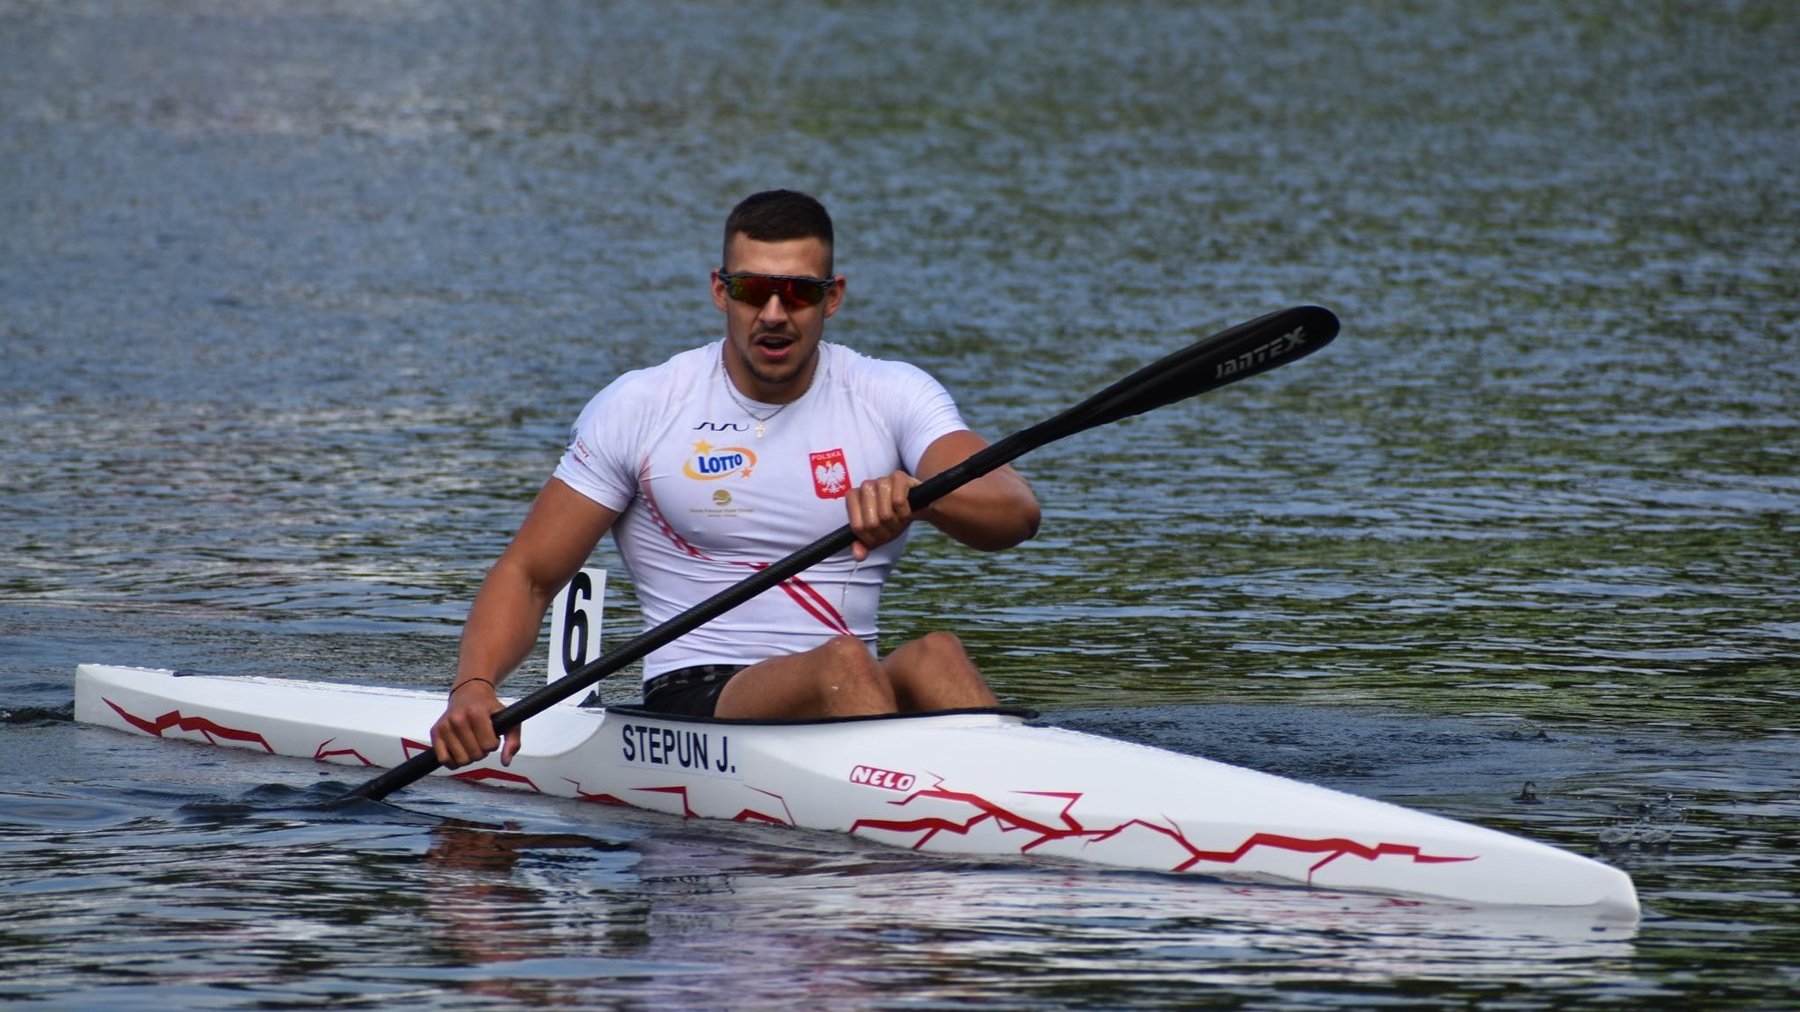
465 732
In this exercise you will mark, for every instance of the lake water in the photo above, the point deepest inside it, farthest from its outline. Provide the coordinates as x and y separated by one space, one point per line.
298 300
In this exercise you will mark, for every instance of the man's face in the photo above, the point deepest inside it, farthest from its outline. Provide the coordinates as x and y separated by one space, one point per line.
770 349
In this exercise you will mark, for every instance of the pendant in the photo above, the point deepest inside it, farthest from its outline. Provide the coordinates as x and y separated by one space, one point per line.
759 430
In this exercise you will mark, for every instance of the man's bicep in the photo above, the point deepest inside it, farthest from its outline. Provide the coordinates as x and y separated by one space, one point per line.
948 450
558 535
994 511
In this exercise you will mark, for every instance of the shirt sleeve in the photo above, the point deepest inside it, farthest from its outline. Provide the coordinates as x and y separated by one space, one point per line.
918 408
604 453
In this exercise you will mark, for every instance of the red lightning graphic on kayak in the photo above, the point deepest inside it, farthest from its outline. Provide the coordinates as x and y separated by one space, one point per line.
325 755
192 725
743 815
1069 827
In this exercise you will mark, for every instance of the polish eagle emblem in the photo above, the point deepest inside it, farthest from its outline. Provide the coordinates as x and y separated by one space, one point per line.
832 477
830 474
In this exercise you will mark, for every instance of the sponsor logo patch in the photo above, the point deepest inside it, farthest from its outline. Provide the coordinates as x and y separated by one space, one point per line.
875 776
711 463
830 474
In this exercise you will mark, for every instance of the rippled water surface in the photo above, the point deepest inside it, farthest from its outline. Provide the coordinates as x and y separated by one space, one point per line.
298 300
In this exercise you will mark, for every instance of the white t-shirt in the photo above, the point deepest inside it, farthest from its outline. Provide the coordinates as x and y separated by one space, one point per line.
705 503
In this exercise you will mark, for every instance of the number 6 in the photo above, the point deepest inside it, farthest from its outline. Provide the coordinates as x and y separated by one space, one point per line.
575 622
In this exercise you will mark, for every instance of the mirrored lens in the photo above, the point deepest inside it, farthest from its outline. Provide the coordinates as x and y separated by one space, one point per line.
755 289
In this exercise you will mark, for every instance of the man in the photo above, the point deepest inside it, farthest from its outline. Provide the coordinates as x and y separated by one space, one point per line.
727 458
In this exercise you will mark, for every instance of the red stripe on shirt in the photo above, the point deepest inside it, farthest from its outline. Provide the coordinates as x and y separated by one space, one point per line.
804 594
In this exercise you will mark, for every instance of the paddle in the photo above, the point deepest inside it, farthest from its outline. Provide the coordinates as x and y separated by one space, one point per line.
1226 357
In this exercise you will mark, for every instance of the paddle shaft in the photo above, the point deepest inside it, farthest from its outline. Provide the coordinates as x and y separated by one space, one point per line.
1226 357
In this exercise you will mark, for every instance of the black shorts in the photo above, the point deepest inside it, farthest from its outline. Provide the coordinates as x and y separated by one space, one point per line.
689 692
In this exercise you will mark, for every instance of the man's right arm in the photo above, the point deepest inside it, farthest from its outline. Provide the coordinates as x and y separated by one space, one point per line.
552 544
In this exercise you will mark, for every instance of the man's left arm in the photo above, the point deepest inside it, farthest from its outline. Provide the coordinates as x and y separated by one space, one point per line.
992 512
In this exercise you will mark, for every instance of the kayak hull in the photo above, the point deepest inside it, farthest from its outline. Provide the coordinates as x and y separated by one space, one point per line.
965 782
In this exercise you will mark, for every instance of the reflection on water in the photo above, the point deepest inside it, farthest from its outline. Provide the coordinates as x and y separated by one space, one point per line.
248 898
296 304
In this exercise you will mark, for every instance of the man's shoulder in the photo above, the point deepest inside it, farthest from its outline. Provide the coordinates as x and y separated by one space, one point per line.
649 391
910 402
664 380
856 369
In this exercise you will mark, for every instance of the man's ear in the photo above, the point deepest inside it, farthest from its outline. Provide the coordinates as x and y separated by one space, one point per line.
720 299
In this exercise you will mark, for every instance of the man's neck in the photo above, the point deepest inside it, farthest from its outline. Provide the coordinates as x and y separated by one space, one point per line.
747 384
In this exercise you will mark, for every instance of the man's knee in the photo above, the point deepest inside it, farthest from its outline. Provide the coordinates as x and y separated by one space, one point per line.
846 651
929 660
934 672
943 648
847 658
943 639
847 679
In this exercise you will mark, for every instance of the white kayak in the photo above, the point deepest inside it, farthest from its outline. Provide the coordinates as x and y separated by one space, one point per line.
963 782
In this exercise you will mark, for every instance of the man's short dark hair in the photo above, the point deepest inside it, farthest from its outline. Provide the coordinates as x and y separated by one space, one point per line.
778 215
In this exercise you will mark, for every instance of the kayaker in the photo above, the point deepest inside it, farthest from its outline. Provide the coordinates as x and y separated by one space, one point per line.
728 457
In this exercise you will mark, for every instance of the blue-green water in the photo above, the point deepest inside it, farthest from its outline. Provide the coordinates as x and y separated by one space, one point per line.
297 301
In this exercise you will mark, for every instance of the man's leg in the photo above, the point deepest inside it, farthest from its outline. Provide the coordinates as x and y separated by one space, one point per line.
933 672
838 678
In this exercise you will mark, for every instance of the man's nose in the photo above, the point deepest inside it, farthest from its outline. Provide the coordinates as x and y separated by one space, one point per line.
773 310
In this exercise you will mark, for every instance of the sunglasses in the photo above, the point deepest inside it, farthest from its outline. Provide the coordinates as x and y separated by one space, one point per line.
755 289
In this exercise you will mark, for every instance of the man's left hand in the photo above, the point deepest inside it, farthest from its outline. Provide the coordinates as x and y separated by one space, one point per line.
879 511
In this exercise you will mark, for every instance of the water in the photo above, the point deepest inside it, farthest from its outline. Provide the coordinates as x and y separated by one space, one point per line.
296 303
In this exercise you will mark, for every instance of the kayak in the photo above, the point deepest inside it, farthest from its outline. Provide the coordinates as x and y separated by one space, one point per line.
984 782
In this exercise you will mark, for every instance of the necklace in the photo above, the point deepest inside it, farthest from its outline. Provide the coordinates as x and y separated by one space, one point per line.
762 421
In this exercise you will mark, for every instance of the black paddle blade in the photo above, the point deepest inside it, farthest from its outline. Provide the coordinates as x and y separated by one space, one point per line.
1245 350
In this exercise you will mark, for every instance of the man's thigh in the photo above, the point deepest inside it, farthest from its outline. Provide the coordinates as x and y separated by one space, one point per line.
835 679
